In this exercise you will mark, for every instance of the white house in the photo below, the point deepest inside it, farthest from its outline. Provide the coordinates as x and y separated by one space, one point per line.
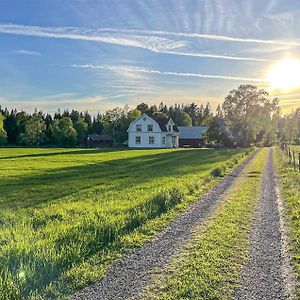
153 132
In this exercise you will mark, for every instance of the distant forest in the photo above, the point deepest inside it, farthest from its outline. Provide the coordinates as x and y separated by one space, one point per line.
247 116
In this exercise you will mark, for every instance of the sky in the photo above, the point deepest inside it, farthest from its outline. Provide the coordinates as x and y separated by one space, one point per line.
98 54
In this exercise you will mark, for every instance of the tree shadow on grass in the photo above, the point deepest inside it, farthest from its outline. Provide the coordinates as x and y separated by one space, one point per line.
33 190
59 153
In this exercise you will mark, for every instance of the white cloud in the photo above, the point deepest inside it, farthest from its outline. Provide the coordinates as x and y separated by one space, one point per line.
208 36
28 52
166 73
150 40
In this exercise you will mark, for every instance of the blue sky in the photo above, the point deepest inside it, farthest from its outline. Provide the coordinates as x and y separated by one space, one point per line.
98 54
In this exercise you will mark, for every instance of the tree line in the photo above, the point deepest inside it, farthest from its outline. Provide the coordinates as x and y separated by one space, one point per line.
247 116
70 128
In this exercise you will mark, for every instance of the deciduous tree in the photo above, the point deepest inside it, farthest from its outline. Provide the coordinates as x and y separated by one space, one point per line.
3 134
64 133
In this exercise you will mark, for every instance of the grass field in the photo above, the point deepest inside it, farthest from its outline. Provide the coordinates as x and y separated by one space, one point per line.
210 265
65 214
290 189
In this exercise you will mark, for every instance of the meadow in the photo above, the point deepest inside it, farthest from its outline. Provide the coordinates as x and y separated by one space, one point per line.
65 214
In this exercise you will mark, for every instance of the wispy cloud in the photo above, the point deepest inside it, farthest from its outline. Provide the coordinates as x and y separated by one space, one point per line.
149 40
166 73
208 36
27 52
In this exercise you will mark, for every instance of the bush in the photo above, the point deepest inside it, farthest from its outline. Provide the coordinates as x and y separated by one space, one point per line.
217 172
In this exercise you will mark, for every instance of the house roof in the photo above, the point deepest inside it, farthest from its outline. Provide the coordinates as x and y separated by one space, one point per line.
100 138
162 122
191 132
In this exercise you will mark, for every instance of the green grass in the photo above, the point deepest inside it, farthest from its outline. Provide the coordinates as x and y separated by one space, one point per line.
209 266
66 214
290 189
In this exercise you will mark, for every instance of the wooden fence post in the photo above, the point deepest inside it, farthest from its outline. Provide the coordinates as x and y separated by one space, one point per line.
294 160
299 161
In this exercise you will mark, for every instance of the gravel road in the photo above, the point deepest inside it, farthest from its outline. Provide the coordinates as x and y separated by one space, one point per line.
130 274
267 273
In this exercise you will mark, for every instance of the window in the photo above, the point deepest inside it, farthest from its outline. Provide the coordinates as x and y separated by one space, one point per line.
150 127
169 128
151 140
138 127
138 140
164 140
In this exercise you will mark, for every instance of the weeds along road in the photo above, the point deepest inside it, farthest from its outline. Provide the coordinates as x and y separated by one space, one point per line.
132 273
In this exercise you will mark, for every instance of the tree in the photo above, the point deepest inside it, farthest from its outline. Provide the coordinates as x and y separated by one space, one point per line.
216 135
34 132
88 120
192 110
181 118
207 110
64 133
219 112
133 114
144 108
97 125
248 113
3 134
290 131
81 128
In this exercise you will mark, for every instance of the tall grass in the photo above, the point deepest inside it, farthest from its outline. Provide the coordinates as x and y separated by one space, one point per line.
60 207
290 189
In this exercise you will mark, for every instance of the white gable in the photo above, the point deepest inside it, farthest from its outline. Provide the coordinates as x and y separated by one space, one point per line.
143 121
145 132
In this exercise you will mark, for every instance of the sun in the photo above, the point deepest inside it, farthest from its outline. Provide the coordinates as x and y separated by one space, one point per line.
285 74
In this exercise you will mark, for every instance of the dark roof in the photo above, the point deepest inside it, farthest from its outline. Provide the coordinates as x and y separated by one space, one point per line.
192 132
100 138
162 122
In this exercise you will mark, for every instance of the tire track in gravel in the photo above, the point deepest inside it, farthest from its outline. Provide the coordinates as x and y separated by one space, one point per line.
267 274
130 274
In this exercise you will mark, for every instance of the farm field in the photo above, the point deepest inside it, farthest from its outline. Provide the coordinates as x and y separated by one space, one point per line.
66 214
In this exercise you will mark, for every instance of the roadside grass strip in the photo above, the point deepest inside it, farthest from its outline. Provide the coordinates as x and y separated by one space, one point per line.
290 190
209 266
66 215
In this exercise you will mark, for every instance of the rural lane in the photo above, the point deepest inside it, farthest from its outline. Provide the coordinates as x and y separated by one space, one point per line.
267 274
132 273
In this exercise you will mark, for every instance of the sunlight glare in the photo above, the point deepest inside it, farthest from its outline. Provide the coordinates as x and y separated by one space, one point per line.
285 74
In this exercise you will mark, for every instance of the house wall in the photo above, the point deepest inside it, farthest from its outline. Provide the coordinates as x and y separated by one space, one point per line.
157 133
144 121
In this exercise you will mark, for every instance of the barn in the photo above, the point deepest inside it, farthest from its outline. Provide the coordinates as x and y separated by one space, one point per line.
99 141
191 136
